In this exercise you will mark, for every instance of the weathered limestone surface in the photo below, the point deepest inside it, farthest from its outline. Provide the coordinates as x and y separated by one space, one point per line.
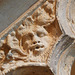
40 42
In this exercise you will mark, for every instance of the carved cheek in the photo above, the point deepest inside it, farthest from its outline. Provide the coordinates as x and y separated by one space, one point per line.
45 40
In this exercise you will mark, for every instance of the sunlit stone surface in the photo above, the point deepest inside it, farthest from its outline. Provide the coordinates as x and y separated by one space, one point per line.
41 41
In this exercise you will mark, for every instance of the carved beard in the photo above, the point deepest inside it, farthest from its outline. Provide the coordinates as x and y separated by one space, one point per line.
39 57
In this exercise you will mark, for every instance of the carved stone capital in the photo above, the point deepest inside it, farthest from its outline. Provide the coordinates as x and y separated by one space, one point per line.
41 40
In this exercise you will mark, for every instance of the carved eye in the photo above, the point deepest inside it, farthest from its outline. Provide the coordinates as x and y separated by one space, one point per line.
29 36
40 34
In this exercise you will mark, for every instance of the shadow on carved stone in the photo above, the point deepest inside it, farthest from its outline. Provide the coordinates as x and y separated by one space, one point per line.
31 70
26 47
73 69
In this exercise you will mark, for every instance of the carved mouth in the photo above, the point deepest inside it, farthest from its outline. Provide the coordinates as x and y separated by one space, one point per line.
37 47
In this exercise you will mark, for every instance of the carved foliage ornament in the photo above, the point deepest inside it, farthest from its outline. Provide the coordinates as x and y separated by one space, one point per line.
33 40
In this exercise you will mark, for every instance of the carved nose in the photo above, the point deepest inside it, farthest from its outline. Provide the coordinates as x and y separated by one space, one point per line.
36 40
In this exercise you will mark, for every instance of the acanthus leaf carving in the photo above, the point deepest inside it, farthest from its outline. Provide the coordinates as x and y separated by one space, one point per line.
31 41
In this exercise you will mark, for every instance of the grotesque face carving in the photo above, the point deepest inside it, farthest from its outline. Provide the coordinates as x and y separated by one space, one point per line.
36 40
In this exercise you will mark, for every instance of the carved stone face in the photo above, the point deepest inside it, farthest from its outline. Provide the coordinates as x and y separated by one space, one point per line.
36 40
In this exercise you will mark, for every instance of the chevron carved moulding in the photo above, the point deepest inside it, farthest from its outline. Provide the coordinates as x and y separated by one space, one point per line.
41 41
